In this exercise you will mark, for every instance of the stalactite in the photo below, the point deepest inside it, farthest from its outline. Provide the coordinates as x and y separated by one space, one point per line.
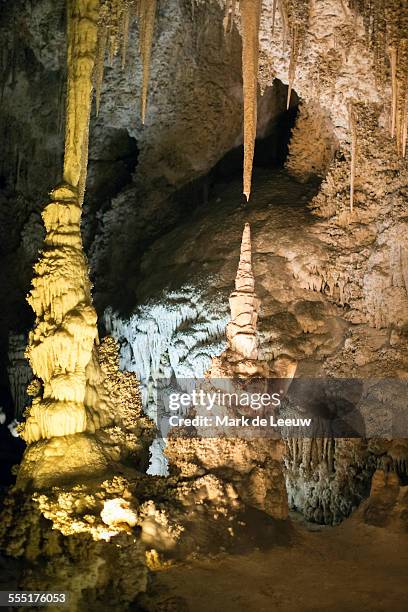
99 66
394 87
226 20
125 33
146 14
229 15
113 34
292 63
386 25
353 132
295 17
402 97
250 14
284 18
405 127
273 17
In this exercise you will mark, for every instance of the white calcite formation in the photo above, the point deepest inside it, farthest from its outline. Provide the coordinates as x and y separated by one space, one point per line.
176 334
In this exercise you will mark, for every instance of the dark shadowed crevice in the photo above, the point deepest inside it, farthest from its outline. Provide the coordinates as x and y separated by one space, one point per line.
111 166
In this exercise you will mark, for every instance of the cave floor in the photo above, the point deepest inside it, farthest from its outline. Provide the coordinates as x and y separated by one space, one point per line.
348 568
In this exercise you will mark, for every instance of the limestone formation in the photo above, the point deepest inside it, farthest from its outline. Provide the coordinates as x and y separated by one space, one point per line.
312 145
244 305
114 21
242 356
62 347
254 464
330 261
250 15
146 14
76 383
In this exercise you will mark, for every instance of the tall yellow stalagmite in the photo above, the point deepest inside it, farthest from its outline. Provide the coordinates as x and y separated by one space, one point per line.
68 397
250 15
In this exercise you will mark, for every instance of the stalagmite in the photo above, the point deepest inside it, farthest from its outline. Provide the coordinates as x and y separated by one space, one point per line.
250 14
67 399
241 331
146 13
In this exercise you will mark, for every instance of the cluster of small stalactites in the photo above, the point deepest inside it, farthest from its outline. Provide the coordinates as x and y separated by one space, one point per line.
113 37
386 26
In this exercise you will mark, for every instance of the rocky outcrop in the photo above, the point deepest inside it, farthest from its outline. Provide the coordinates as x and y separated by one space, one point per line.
386 505
312 144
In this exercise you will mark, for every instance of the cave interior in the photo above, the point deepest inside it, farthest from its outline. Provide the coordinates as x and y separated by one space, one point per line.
204 194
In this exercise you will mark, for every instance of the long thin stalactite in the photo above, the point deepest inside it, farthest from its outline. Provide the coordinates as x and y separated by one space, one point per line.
250 15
